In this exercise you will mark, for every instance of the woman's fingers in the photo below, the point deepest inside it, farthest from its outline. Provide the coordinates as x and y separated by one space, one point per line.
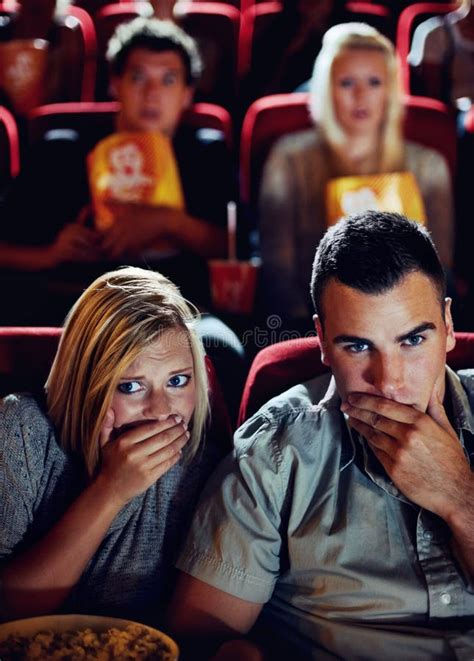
153 439
172 449
107 427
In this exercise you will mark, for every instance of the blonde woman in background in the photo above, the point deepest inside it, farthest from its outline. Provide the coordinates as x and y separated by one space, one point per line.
355 103
97 483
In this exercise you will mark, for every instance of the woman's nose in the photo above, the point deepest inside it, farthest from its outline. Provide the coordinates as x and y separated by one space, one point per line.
159 405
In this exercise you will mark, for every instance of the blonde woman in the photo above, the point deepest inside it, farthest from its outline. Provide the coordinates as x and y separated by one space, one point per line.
356 106
97 482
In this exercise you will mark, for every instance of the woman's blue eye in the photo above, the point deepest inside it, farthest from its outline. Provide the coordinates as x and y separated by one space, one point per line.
179 381
129 387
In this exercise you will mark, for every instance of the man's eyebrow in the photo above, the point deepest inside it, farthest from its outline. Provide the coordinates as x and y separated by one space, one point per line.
427 325
351 339
355 339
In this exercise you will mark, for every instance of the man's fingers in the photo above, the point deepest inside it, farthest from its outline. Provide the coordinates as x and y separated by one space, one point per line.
375 421
377 439
437 412
386 408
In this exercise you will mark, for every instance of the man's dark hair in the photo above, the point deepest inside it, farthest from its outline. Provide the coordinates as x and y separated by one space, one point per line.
155 35
372 252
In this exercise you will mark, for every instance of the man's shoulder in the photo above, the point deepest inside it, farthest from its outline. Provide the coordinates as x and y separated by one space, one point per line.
307 396
466 377
310 408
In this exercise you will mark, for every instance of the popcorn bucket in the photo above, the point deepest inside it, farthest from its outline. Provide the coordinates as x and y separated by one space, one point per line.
233 285
22 72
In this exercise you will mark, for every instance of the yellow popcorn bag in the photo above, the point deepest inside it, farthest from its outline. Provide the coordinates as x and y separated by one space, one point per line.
394 191
133 167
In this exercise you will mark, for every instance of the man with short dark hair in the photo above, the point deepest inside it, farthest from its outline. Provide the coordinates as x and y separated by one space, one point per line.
343 524
154 67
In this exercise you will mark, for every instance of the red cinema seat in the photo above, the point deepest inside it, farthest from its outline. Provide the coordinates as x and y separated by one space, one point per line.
378 16
9 148
255 19
285 364
95 117
215 27
408 21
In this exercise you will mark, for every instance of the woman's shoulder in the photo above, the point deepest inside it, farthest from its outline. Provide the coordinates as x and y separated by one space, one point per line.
25 429
300 142
19 407
417 156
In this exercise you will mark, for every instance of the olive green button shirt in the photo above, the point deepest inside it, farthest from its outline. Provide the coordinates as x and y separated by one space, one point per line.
302 517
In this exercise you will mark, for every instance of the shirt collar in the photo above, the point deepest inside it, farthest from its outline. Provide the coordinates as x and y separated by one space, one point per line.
332 400
463 418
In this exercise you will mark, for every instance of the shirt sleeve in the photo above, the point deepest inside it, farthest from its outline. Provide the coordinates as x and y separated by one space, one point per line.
235 540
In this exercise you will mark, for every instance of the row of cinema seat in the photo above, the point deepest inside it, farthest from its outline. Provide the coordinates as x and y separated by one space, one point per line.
427 121
226 36
26 355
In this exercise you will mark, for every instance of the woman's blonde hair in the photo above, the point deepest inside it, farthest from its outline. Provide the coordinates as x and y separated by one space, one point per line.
338 40
112 322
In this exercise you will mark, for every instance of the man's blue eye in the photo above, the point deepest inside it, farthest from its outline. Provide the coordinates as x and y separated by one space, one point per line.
179 380
357 348
414 340
137 76
129 387
170 79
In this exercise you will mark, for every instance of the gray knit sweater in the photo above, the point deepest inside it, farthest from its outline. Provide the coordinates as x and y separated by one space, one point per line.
131 573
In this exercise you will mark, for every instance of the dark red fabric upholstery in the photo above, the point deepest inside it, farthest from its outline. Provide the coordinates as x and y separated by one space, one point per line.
26 355
281 366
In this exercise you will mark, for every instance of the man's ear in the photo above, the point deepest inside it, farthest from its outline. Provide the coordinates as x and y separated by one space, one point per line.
114 86
188 97
450 339
320 332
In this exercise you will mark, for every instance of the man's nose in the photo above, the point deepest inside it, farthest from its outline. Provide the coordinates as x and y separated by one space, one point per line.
388 374
153 88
